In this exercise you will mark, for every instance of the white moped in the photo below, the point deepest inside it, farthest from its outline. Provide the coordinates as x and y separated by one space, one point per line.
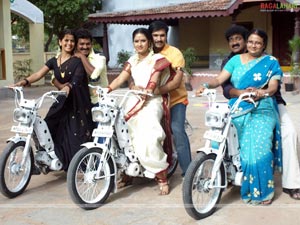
31 149
95 169
218 162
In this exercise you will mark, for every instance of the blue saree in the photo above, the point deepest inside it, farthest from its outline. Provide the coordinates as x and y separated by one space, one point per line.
258 128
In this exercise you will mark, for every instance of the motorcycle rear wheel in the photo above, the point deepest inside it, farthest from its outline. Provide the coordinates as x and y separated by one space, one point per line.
13 178
86 191
200 201
173 166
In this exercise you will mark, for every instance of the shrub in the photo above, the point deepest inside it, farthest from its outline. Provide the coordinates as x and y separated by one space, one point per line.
123 56
189 55
22 69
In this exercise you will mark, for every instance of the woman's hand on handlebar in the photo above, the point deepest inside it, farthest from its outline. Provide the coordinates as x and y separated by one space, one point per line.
257 93
67 89
21 83
138 88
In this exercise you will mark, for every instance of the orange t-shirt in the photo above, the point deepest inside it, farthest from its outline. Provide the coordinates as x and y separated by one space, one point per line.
175 57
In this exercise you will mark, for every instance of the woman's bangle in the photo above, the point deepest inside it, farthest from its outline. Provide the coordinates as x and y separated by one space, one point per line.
206 85
26 82
151 85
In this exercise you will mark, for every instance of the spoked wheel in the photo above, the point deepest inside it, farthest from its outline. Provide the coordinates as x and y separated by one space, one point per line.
200 200
14 177
87 188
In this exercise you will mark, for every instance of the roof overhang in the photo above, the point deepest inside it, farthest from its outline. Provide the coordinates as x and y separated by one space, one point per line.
27 10
208 8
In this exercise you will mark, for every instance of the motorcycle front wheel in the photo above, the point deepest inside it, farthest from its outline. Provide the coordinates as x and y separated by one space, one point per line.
14 178
199 199
86 189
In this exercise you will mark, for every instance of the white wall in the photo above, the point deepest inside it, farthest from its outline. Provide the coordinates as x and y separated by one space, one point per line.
120 36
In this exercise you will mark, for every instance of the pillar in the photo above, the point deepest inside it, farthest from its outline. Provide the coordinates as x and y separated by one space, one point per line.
105 42
5 44
36 35
297 24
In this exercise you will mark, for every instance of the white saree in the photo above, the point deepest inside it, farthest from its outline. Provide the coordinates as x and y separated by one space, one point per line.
147 134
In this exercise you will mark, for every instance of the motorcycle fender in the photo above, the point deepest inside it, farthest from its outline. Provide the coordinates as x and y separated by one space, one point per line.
16 139
207 150
92 145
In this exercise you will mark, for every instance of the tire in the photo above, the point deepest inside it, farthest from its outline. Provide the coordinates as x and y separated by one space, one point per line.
85 191
13 178
199 200
172 168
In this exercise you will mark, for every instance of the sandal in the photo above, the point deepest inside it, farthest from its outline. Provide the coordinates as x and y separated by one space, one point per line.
293 193
163 186
266 202
161 179
125 181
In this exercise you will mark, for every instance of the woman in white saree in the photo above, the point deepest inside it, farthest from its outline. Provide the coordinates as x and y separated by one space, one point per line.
148 71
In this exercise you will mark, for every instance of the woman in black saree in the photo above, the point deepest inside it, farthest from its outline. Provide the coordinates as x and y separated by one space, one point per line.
69 120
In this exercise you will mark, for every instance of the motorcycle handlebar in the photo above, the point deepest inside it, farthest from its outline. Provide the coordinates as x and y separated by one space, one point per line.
246 96
20 98
104 91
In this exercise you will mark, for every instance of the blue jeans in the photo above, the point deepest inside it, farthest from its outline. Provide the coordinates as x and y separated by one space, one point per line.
180 138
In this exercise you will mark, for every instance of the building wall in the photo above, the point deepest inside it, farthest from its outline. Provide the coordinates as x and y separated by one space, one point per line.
260 20
193 33
117 41
206 35
218 47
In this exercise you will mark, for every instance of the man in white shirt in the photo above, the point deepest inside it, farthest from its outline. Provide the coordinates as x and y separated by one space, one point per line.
94 63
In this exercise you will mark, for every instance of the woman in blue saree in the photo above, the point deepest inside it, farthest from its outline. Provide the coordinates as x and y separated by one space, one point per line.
258 127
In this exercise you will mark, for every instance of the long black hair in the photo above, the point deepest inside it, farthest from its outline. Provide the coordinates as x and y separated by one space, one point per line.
143 31
64 32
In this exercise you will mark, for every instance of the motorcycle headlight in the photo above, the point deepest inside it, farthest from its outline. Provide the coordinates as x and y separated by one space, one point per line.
22 116
100 115
213 119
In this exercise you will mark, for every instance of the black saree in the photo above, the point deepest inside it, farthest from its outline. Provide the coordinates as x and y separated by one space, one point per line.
69 120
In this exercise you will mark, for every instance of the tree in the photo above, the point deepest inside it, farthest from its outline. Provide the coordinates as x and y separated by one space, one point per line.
60 14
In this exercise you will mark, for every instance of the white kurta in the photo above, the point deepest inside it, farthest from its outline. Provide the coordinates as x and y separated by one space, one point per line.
291 171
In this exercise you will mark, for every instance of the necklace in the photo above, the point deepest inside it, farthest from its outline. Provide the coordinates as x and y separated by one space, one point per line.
62 74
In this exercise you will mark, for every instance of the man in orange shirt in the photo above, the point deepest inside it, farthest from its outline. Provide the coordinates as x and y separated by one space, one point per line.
176 89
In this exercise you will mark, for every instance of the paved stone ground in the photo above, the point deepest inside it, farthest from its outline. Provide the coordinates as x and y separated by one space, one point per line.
46 200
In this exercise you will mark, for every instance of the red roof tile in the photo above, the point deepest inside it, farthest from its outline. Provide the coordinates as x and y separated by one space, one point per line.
208 8
197 9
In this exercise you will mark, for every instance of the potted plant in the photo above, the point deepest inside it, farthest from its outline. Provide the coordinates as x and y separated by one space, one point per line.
294 45
189 55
